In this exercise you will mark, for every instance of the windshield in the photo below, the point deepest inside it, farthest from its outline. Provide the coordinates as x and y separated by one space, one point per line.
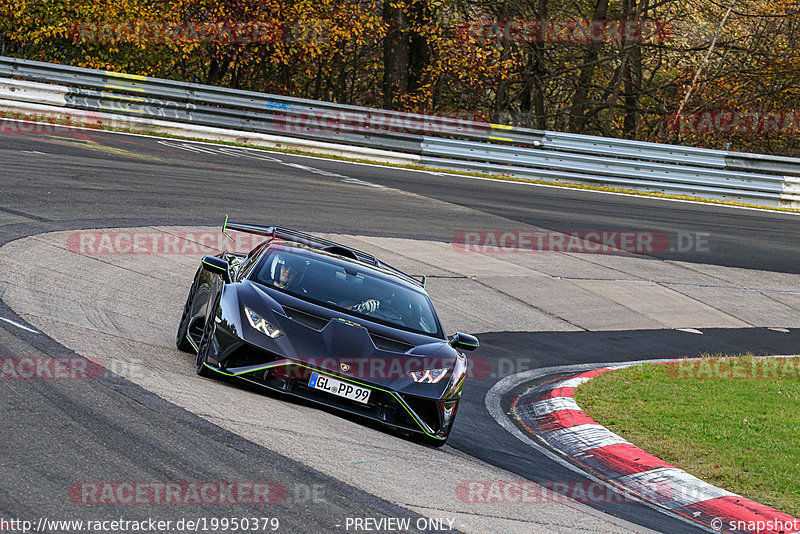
354 290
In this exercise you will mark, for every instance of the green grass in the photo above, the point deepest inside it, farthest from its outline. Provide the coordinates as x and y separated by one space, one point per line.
741 434
145 131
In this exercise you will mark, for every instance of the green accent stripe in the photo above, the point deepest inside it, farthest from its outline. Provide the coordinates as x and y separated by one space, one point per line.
225 229
265 366
338 377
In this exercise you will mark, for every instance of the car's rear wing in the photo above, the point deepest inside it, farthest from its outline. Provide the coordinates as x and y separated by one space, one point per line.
287 234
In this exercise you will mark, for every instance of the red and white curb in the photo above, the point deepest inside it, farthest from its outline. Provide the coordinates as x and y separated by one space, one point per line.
549 412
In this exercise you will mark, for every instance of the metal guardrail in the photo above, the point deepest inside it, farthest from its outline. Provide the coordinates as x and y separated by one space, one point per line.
439 142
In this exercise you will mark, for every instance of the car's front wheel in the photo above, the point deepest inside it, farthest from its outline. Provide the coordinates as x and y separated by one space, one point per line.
206 344
434 442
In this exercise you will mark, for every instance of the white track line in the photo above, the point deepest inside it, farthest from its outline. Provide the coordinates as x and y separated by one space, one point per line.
18 325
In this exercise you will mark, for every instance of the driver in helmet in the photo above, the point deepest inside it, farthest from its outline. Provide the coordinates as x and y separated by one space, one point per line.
288 271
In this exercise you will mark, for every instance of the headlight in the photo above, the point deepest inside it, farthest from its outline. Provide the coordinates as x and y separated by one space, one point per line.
261 324
429 376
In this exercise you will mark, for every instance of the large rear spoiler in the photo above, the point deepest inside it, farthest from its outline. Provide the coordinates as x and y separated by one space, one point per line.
287 234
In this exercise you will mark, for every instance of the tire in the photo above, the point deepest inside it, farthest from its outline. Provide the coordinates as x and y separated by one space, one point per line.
432 442
438 443
183 328
205 347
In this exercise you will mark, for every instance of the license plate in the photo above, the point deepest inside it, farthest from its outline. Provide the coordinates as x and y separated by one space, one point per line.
337 387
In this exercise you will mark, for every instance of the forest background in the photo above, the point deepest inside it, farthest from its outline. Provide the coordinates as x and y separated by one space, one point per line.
617 69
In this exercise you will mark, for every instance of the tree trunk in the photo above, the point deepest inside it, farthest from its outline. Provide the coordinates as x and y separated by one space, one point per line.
502 99
579 104
539 73
419 48
633 77
395 54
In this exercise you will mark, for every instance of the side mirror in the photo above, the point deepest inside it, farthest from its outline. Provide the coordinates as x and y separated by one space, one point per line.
216 265
464 341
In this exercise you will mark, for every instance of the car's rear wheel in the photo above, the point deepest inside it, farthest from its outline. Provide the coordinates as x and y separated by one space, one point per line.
181 339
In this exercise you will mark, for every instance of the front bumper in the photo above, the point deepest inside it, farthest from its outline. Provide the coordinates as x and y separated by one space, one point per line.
427 416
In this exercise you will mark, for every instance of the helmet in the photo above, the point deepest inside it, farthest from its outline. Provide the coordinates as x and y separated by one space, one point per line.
287 270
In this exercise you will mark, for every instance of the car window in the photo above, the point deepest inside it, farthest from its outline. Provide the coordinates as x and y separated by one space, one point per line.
352 289
251 257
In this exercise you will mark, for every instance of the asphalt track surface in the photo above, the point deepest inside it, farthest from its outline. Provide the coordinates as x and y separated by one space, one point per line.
113 430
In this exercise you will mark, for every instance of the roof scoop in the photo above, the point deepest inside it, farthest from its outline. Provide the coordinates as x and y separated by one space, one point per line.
341 251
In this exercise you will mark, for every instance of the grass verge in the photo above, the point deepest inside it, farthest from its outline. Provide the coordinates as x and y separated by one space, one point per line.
502 177
733 422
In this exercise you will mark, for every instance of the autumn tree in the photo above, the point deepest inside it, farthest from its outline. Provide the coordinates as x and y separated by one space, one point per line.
470 57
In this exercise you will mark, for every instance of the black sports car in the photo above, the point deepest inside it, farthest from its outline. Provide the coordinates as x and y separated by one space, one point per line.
315 319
